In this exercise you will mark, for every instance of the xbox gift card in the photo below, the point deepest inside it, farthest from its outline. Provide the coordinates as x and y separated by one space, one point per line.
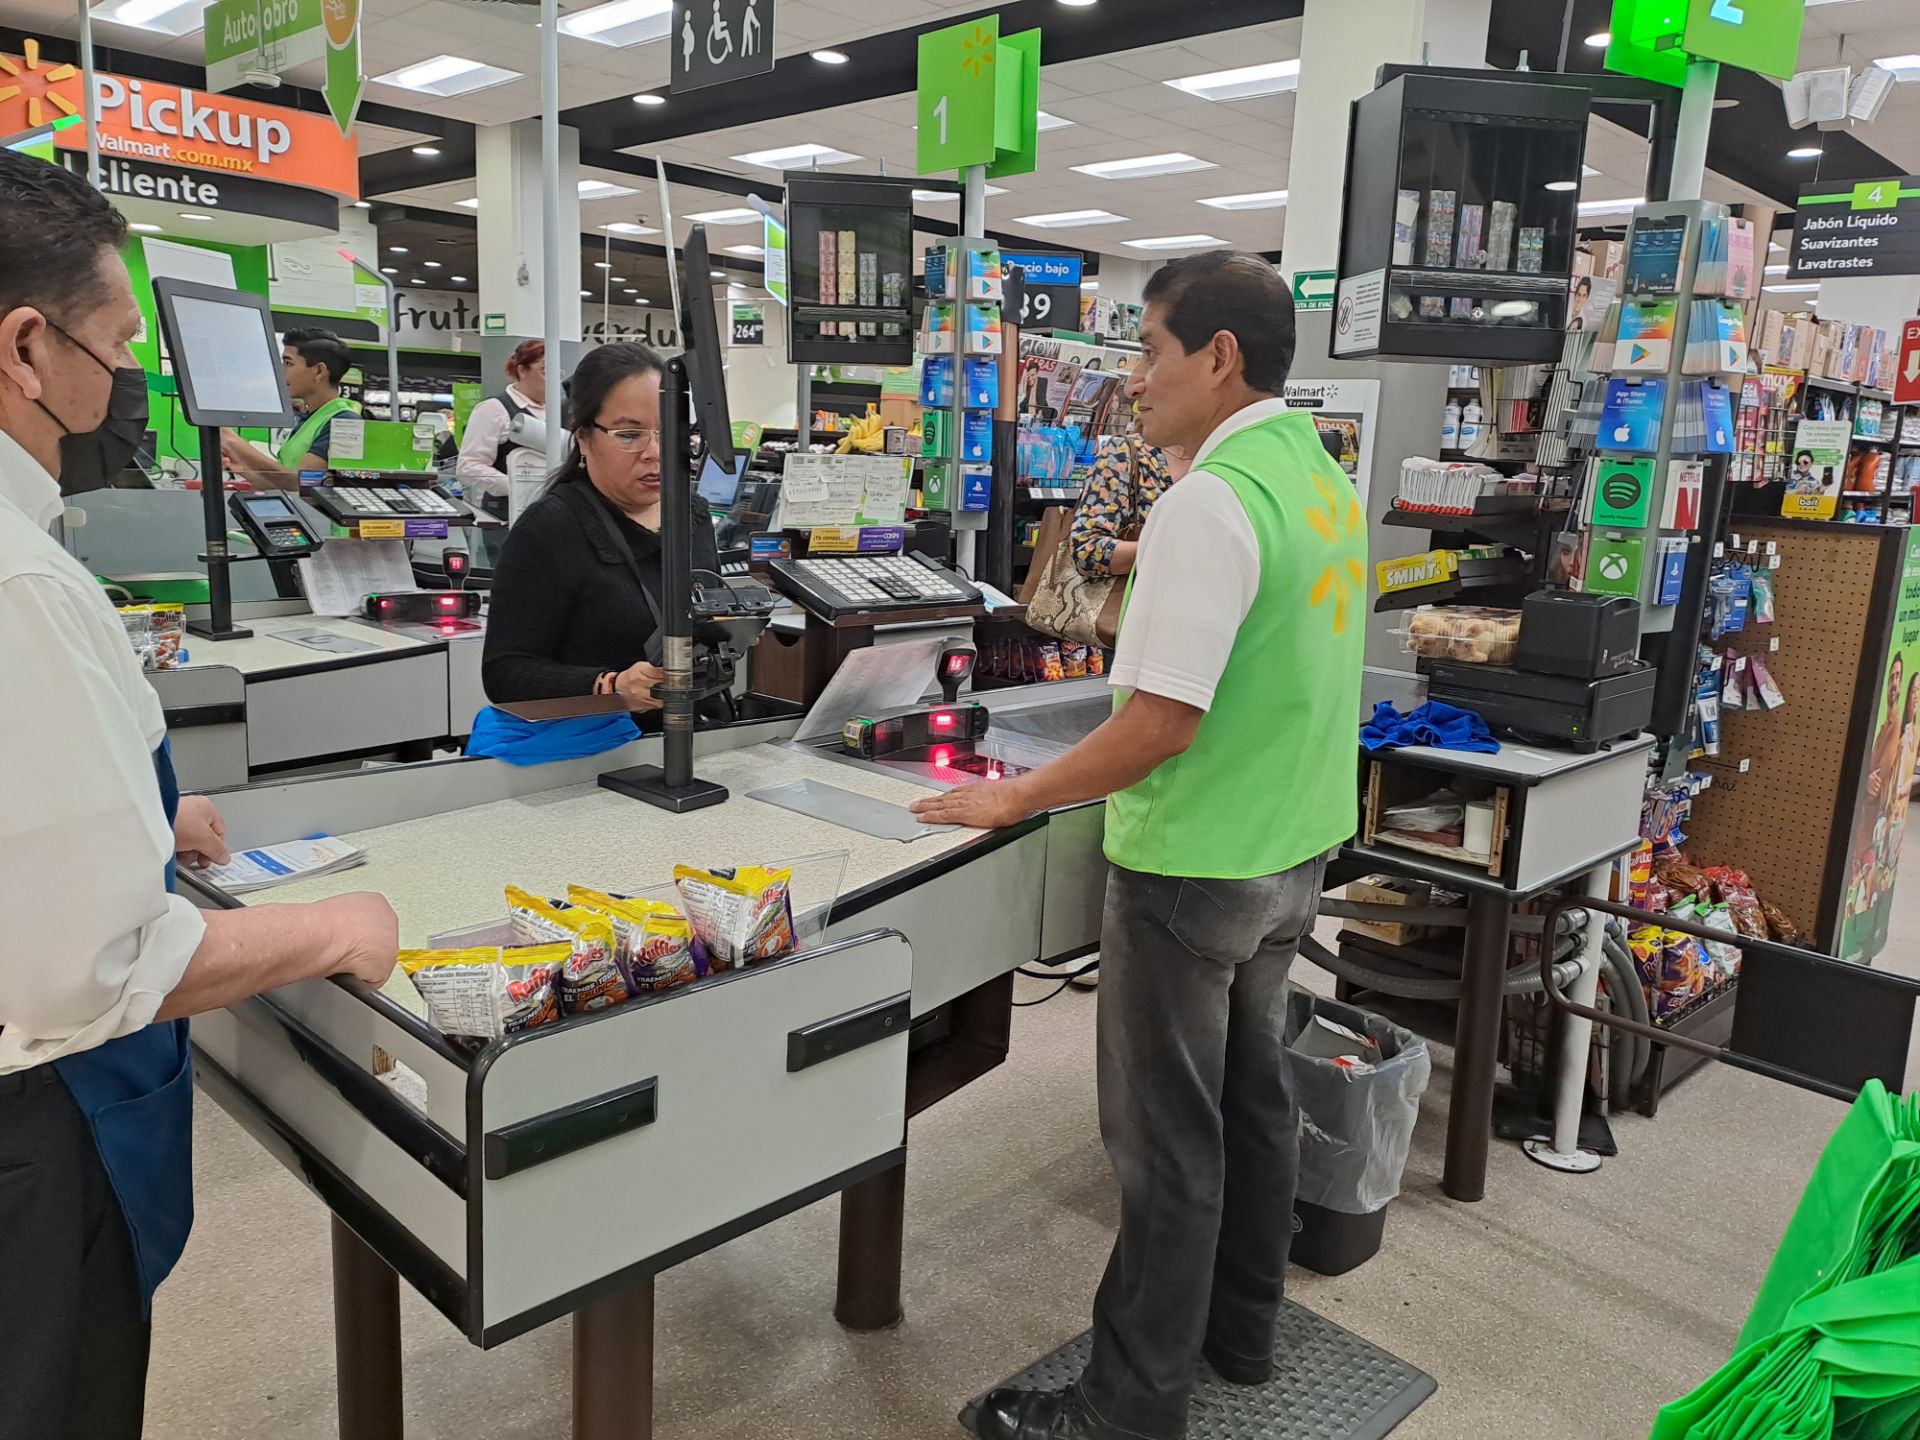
1614 564
1622 492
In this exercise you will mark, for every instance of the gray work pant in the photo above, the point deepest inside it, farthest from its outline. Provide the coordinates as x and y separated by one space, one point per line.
1197 1113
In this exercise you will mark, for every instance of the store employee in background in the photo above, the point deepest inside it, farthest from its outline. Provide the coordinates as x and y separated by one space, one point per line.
315 362
99 963
576 594
1239 656
485 447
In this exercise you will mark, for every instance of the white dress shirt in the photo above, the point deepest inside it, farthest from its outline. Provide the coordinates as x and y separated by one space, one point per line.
486 432
1197 576
90 940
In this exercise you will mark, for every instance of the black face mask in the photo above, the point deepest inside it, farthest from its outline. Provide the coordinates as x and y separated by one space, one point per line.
93 459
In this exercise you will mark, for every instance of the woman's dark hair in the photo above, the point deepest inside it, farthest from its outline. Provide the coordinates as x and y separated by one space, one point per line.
1201 295
321 347
1799 455
587 388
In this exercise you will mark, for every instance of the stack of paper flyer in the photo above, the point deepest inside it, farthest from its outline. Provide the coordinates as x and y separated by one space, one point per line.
277 864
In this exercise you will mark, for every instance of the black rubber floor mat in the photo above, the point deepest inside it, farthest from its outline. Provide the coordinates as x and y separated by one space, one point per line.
1331 1385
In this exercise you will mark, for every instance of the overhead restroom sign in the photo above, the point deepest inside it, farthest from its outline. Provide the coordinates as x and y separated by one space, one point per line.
714 41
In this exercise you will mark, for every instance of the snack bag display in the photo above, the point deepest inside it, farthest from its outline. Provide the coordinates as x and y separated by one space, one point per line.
592 978
487 992
653 942
741 915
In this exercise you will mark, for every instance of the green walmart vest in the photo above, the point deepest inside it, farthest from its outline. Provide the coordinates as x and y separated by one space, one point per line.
301 441
1269 781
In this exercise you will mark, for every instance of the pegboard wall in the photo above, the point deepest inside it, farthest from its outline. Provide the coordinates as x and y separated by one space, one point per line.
1779 818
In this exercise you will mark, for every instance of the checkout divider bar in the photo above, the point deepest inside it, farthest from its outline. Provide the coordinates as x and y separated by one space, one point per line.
1805 1019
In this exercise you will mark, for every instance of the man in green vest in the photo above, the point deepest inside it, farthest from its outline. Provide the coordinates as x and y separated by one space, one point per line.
1228 767
315 362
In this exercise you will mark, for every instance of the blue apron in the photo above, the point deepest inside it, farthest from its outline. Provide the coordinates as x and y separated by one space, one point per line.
137 1095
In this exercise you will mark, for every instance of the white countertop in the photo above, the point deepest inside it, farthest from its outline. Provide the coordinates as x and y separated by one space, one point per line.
266 651
447 872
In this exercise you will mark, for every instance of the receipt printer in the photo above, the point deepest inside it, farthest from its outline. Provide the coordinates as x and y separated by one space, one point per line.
1585 636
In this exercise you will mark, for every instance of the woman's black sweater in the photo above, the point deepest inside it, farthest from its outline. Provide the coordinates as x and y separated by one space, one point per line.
565 607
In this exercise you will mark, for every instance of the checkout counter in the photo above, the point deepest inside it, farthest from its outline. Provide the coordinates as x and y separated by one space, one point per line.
558 1171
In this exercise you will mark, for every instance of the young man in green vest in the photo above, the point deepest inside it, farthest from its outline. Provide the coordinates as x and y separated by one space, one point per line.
1228 767
315 362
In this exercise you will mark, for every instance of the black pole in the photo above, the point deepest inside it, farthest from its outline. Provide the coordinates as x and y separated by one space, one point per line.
213 511
671 785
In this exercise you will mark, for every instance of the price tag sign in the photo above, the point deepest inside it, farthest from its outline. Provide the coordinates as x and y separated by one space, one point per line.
1052 296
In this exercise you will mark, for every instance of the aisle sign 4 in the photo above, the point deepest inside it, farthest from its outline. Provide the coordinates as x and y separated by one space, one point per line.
1906 374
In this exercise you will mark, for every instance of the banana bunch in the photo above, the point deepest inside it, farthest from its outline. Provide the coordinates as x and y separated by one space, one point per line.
868 435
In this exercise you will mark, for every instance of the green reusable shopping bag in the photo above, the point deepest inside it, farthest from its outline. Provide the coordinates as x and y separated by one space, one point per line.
1831 1349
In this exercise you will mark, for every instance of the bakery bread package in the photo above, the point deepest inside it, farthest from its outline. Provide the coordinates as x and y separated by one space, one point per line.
1475 634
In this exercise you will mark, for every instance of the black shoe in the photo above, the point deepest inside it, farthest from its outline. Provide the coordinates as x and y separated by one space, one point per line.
1236 1371
1009 1414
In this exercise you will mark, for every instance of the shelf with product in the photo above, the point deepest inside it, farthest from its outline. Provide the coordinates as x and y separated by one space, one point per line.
850 243
1453 246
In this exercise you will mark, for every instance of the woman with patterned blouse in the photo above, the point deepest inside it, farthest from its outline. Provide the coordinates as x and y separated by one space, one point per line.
1128 476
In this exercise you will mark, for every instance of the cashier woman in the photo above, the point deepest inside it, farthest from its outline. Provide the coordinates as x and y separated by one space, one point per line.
576 592
99 963
315 362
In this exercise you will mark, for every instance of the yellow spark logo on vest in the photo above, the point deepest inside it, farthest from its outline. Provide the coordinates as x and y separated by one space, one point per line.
1342 578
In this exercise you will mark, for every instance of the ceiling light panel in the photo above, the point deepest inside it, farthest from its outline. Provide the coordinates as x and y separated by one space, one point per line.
1067 219
1243 83
725 217
446 76
1253 200
604 190
161 17
796 157
621 22
1176 242
1143 167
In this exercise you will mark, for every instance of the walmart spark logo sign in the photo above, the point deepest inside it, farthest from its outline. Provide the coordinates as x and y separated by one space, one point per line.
1655 39
1342 524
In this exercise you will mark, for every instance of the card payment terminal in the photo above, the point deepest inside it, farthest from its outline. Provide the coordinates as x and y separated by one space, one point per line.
274 526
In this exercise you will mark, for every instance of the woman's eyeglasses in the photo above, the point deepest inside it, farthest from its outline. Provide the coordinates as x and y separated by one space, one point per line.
629 439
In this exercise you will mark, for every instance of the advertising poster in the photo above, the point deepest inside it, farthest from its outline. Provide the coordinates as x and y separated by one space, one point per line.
1818 469
1880 814
1344 412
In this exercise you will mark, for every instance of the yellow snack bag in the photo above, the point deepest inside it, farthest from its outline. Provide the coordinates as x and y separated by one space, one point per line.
487 992
741 915
592 978
653 941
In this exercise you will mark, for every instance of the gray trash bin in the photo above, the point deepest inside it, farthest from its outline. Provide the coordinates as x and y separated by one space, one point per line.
1355 1130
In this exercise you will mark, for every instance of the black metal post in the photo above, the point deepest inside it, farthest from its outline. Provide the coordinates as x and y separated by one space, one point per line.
1676 653
213 509
671 785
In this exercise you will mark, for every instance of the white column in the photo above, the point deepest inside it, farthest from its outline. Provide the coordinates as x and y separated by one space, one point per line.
1341 46
761 385
1123 280
512 252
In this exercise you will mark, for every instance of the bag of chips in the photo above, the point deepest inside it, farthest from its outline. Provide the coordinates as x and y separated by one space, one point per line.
487 992
1734 889
167 627
741 915
1779 926
1676 874
592 978
1683 973
653 942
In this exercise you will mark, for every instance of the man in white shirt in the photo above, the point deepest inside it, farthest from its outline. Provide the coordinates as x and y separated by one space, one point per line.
1228 769
99 963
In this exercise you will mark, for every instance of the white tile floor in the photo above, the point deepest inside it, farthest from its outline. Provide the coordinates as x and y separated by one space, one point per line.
1561 1307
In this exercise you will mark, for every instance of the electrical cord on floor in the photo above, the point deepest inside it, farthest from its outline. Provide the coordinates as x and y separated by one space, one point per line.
1051 994
1065 981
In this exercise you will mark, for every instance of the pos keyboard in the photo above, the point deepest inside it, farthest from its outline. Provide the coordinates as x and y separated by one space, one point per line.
833 586
350 501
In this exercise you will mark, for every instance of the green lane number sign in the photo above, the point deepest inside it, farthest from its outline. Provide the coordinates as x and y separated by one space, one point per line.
1655 39
978 98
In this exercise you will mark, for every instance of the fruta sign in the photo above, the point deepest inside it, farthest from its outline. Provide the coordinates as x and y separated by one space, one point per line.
172 125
